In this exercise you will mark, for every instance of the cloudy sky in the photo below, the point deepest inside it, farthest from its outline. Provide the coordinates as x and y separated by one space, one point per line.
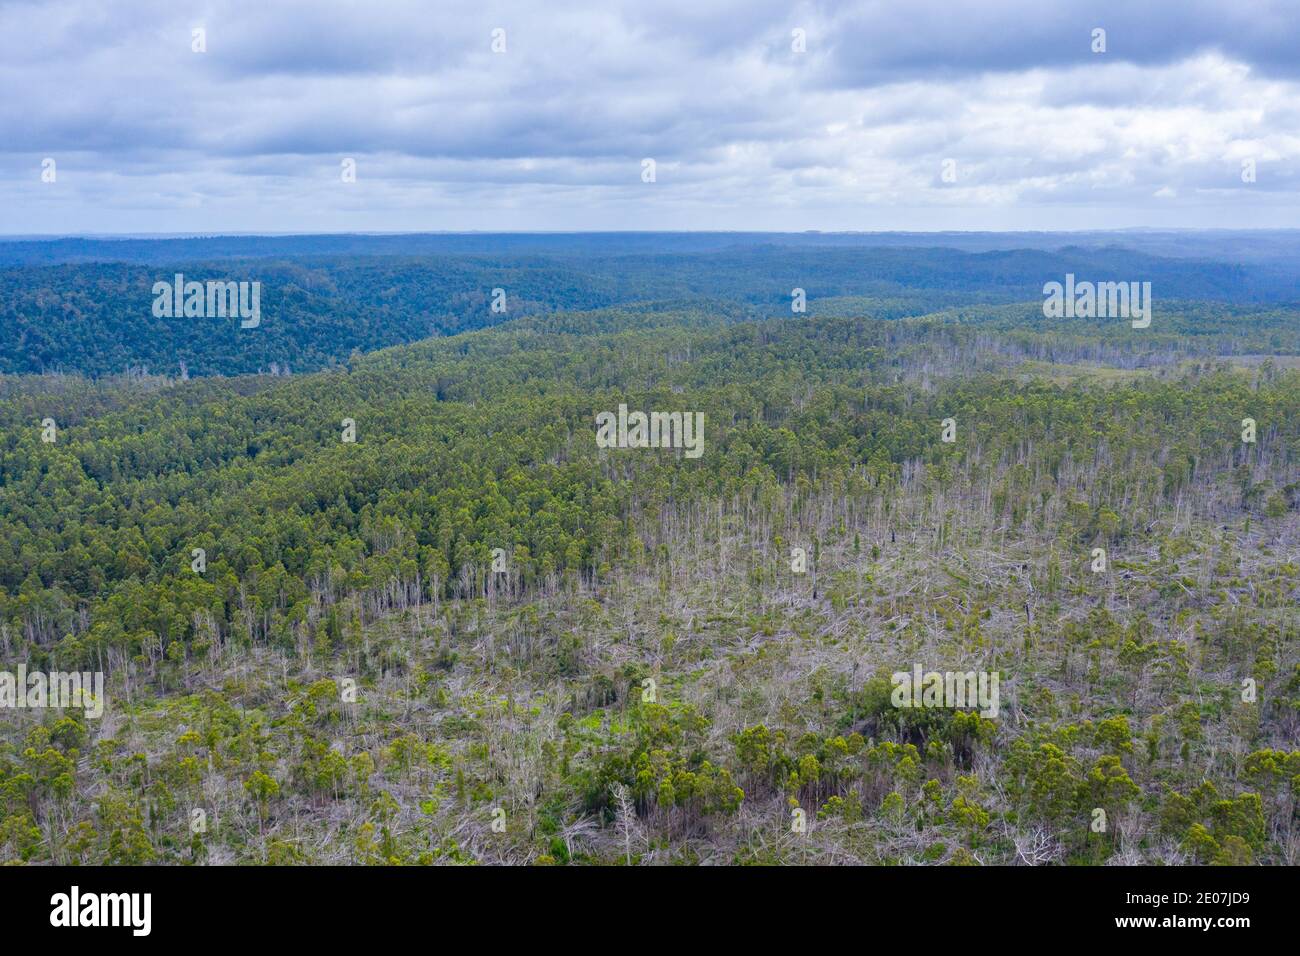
854 132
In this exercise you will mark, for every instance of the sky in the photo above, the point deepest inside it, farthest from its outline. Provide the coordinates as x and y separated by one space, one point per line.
540 116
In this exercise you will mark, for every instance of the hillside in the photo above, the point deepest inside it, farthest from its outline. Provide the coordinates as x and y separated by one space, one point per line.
322 298
646 671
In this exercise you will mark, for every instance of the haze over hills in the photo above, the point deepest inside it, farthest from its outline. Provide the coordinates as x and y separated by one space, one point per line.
1229 245
322 298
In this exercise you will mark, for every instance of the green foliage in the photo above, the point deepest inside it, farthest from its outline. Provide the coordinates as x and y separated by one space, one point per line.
522 691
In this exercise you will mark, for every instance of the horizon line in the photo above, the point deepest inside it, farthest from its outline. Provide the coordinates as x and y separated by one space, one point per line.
239 234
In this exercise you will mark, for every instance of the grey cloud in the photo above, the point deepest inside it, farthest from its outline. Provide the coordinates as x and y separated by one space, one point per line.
880 42
740 124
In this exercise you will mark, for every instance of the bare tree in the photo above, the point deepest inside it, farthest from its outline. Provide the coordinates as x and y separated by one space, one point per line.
627 824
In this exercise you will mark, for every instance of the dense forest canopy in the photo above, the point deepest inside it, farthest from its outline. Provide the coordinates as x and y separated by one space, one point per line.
323 298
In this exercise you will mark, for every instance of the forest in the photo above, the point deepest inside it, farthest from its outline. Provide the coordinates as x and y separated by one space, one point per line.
323 298
388 601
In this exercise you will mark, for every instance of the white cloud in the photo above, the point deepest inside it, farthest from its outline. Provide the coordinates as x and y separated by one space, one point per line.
747 134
